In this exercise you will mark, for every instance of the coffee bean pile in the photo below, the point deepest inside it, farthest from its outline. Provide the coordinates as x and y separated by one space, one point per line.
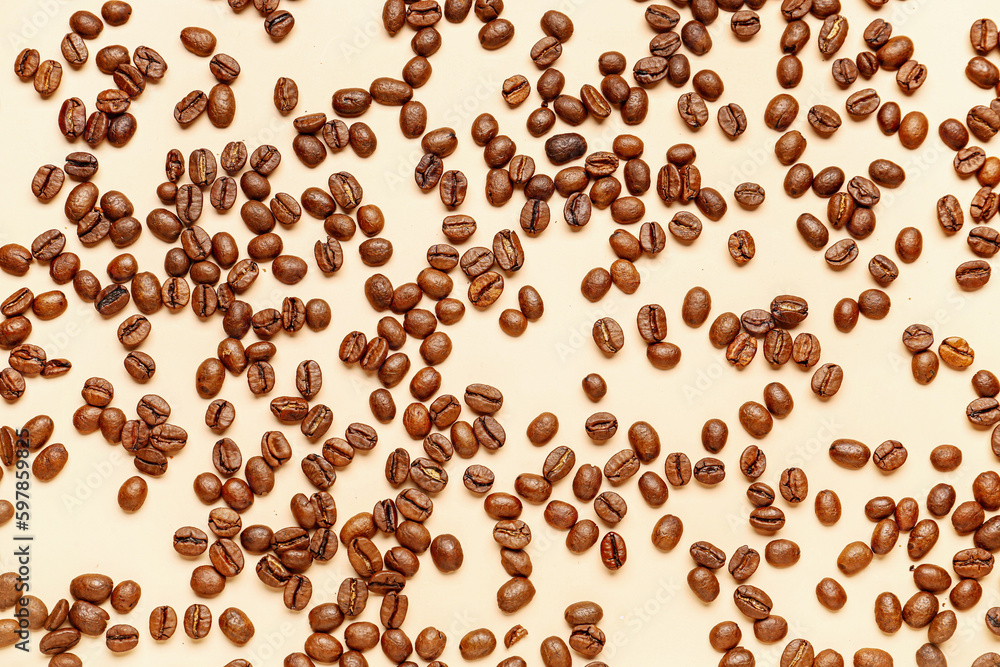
385 547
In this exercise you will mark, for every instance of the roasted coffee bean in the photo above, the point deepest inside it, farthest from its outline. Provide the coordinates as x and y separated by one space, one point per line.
845 72
946 458
911 75
709 85
752 602
47 78
956 352
914 125
692 110
831 594
732 120
983 35
122 638
47 182
798 180
824 120
198 41
780 112
26 64
973 275
953 134
986 384
72 124
190 108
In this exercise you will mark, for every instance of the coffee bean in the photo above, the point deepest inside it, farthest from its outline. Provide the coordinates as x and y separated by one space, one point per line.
122 638
724 330
162 623
956 352
973 275
752 602
198 41
47 78
845 73
832 35
613 551
47 182
831 594
694 113
72 123
983 35
745 23
703 583
496 34
782 553
780 112
197 621
749 195
608 336
662 18
914 125
732 120
986 384
925 366
911 75
515 594
650 70
191 107
824 120
26 64
855 557
130 82
789 147
563 148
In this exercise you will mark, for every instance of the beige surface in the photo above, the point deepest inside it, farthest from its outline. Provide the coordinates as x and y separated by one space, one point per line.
649 612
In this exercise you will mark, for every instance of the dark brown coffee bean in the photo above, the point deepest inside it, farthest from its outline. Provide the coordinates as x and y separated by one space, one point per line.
824 120
198 41
692 110
26 64
780 112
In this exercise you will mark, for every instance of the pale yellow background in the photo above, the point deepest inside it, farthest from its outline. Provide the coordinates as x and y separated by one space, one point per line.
650 615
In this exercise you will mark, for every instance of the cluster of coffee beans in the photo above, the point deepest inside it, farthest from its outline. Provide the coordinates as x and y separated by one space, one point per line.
984 123
278 23
285 554
111 120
